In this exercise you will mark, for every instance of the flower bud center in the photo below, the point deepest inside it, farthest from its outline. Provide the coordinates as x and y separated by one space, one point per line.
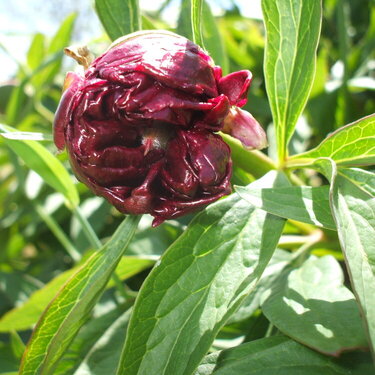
156 137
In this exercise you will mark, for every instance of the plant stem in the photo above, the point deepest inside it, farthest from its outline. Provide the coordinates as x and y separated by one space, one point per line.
254 162
58 232
87 228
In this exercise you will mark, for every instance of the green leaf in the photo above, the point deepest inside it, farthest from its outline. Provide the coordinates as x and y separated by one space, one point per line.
71 307
361 178
55 49
212 38
17 345
26 315
40 160
351 145
105 354
306 204
273 270
200 281
119 17
25 136
196 21
282 356
88 336
293 29
312 306
353 209
36 51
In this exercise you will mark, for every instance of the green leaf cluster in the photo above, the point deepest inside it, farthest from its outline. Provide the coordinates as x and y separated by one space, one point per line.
278 277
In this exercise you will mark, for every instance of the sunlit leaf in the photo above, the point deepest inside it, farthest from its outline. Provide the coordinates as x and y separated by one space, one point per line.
293 29
353 209
40 160
191 293
305 203
312 306
351 145
119 17
27 314
36 51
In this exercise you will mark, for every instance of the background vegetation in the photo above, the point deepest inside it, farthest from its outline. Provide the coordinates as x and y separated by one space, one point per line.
45 237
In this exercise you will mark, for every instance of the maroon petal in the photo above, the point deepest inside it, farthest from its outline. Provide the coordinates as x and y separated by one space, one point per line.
171 59
62 117
235 86
214 117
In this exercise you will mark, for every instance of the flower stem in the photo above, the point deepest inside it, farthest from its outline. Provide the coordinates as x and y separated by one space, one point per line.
254 162
87 228
58 232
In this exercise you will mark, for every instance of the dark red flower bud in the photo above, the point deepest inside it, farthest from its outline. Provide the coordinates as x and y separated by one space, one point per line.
139 125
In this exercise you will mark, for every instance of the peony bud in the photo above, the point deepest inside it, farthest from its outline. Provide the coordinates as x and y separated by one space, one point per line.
140 124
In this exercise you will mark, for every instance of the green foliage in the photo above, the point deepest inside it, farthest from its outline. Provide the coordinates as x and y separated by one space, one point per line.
351 145
279 277
293 29
311 305
286 356
71 307
193 291
39 159
353 209
118 17
306 204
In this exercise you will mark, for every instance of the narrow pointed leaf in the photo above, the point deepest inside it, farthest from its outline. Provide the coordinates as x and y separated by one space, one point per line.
71 307
196 21
191 293
88 337
293 29
119 17
351 145
27 136
36 51
282 356
24 316
59 41
213 42
301 203
40 160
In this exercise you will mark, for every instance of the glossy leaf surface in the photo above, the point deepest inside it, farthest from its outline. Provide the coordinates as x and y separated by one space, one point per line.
305 203
293 29
193 290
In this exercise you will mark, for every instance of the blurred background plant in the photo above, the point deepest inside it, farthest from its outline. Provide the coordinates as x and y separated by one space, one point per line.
43 241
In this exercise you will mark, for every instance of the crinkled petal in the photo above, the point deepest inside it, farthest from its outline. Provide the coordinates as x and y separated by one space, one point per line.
63 114
235 86
171 59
